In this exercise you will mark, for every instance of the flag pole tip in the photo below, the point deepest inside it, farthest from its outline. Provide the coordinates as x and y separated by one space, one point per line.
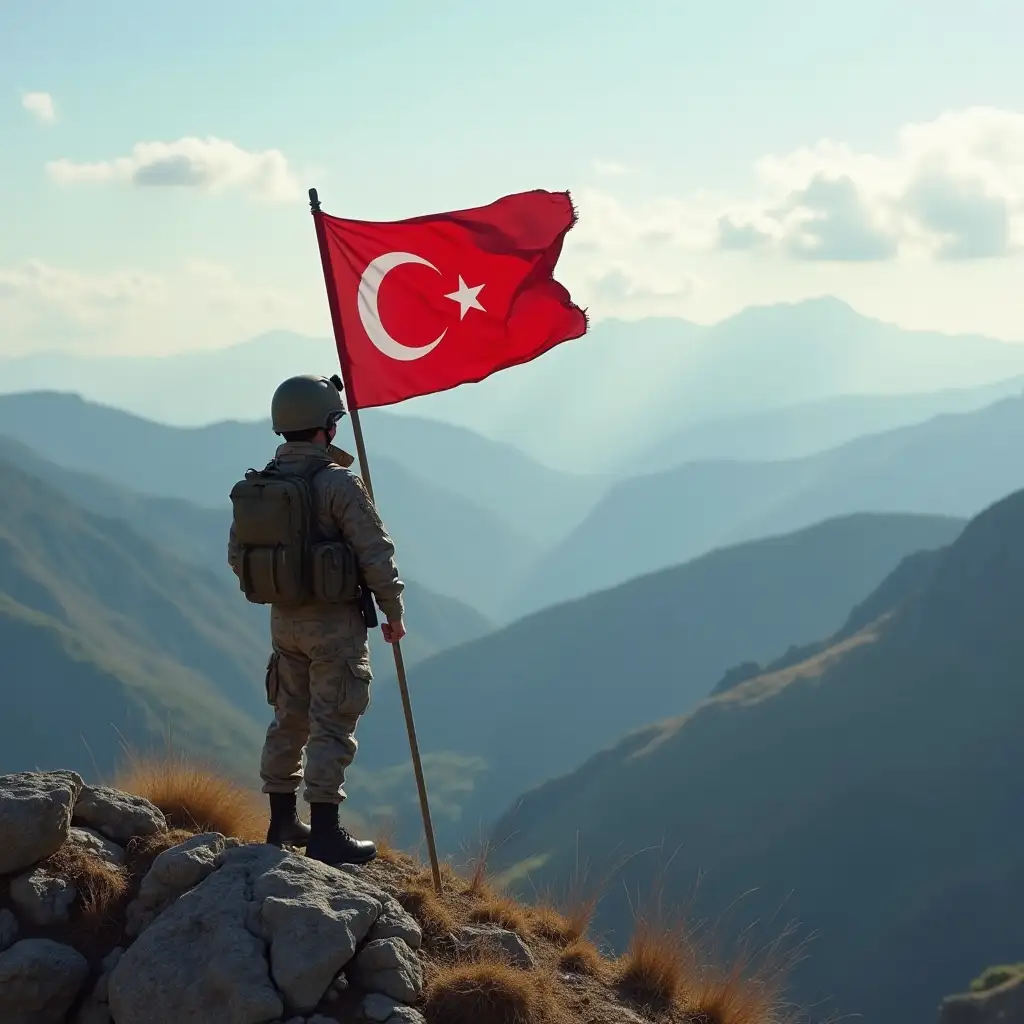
314 201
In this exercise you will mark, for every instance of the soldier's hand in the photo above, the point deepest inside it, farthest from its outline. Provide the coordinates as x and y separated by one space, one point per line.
393 631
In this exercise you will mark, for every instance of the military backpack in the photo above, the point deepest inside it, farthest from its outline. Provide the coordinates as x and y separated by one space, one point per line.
282 557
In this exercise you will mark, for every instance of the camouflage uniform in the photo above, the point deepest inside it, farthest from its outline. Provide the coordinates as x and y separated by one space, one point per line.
318 677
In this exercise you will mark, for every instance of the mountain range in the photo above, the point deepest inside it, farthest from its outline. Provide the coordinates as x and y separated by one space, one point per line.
865 792
953 464
454 545
121 620
596 404
534 698
489 554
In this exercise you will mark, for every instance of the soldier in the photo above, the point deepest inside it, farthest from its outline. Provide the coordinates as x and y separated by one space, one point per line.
318 676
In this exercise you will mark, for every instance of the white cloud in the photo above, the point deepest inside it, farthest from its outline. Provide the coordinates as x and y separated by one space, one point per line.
40 104
212 164
197 305
949 189
84 299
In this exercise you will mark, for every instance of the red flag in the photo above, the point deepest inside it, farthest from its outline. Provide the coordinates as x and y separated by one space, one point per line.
426 304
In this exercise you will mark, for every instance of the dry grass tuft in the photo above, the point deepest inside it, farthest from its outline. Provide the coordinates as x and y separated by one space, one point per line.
582 957
502 911
730 998
479 884
657 963
102 887
194 797
433 916
750 991
549 923
141 852
491 992
565 918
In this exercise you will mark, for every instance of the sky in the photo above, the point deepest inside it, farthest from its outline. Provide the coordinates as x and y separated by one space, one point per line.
155 158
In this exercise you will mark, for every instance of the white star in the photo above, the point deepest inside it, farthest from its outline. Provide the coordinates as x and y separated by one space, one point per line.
466 297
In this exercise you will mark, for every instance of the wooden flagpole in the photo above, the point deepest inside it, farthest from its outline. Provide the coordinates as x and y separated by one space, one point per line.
357 431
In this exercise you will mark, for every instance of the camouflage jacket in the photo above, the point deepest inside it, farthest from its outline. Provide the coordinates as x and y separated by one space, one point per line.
343 508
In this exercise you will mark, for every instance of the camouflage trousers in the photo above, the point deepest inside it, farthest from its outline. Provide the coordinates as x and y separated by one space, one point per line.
318 681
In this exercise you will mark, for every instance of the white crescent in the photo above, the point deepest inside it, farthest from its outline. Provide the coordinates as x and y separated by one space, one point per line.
369 285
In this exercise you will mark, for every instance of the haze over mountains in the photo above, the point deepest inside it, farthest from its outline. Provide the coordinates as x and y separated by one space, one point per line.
954 464
591 405
862 792
466 550
773 511
474 522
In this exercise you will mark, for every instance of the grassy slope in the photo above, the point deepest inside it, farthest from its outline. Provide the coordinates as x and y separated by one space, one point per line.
102 628
865 793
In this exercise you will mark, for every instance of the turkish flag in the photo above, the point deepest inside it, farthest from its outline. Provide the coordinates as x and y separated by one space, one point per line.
426 304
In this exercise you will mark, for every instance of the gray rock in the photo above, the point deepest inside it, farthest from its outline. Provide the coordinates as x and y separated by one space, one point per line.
35 816
395 922
95 1008
390 967
1003 1004
376 1007
92 842
319 1018
314 918
110 961
172 873
42 897
116 815
8 929
209 949
198 958
406 1015
39 981
507 942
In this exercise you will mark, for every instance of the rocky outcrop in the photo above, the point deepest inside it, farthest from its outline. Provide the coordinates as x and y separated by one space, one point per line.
174 872
116 815
93 843
215 930
267 933
39 981
1003 1004
43 898
505 943
35 816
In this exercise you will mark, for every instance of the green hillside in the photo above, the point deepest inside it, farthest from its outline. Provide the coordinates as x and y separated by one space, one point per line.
109 639
469 515
869 792
198 535
105 635
535 698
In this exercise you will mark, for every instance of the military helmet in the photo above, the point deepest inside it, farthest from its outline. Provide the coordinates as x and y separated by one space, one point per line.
306 402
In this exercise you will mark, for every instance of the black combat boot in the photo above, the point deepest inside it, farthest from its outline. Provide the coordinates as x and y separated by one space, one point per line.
285 827
331 842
